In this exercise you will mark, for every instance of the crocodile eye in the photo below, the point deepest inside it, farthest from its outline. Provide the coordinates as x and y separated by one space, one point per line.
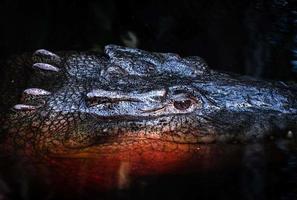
182 105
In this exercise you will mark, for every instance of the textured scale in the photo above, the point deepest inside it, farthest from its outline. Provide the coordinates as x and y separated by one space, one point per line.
77 100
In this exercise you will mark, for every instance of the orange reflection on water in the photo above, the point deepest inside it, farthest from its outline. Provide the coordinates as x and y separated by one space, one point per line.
117 166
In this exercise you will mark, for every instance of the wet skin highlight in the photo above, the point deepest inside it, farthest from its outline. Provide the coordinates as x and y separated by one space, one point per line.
132 105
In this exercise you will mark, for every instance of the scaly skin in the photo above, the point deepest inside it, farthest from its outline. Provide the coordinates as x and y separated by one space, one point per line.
129 95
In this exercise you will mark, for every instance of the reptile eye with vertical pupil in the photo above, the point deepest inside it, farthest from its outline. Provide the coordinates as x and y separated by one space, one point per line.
182 105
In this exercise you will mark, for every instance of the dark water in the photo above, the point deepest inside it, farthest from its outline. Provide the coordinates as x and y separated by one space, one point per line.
252 171
251 37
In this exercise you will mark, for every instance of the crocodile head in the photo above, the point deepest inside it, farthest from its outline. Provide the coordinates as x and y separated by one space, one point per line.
129 94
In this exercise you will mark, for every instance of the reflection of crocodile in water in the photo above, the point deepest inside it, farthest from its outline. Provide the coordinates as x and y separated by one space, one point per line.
129 94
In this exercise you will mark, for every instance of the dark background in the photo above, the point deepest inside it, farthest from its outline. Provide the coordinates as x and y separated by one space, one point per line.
253 37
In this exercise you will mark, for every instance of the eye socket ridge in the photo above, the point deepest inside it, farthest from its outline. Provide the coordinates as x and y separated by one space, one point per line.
96 101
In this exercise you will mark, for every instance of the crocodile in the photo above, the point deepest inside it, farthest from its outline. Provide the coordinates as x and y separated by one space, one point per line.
76 100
